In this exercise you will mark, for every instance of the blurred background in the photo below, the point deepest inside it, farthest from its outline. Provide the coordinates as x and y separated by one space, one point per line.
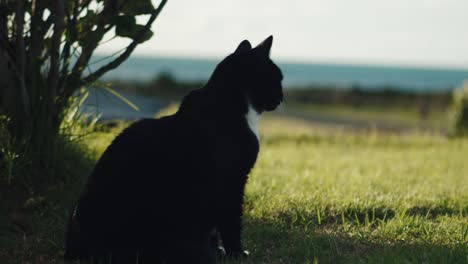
390 65
364 162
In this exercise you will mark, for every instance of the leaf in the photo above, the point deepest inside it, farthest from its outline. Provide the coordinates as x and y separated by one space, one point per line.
89 20
86 38
147 36
85 34
126 26
122 98
123 20
138 7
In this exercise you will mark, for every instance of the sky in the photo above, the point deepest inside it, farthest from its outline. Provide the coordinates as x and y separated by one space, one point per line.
431 33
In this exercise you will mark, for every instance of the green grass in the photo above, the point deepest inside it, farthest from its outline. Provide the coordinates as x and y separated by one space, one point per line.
316 196
358 198
437 119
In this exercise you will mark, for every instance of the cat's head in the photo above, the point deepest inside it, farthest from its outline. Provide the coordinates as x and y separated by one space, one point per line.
252 72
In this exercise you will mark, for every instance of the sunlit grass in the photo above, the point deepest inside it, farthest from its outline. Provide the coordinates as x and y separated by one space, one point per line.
436 118
323 195
334 197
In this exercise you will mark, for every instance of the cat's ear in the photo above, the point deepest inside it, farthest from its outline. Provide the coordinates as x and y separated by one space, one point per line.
243 47
263 49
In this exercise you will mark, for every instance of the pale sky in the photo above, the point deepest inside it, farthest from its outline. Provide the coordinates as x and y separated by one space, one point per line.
399 32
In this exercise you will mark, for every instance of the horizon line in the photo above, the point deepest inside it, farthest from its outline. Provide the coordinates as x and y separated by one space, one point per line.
317 61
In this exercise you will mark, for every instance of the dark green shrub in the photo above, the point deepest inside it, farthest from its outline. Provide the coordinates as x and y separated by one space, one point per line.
460 110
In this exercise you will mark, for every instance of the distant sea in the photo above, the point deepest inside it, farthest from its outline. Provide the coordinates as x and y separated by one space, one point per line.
140 69
298 74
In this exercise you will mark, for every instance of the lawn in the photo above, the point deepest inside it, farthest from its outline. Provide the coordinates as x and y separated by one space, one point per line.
334 197
408 117
316 195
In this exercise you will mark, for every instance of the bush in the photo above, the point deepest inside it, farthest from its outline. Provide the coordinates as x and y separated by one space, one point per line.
460 110
9 156
71 159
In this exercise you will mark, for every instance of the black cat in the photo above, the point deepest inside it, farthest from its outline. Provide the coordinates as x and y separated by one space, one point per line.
165 187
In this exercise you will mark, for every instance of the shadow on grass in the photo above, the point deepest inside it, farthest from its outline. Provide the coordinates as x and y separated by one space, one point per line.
35 235
298 216
270 242
32 229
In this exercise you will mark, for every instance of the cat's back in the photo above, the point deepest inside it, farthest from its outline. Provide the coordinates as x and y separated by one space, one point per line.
147 143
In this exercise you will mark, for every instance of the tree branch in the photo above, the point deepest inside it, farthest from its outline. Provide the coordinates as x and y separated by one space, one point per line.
74 79
45 26
3 22
59 25
35 49
115 63
21 56
71 27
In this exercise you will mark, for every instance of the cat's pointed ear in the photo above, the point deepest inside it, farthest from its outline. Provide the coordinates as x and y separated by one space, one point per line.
243 47
263 49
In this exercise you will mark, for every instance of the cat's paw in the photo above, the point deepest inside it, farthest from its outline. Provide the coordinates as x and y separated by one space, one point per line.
221 252
238 254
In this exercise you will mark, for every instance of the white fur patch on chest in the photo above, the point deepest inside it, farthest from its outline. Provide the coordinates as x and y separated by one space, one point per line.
253 117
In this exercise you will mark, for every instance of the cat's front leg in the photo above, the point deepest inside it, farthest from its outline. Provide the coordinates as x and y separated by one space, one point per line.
230 227
230 230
